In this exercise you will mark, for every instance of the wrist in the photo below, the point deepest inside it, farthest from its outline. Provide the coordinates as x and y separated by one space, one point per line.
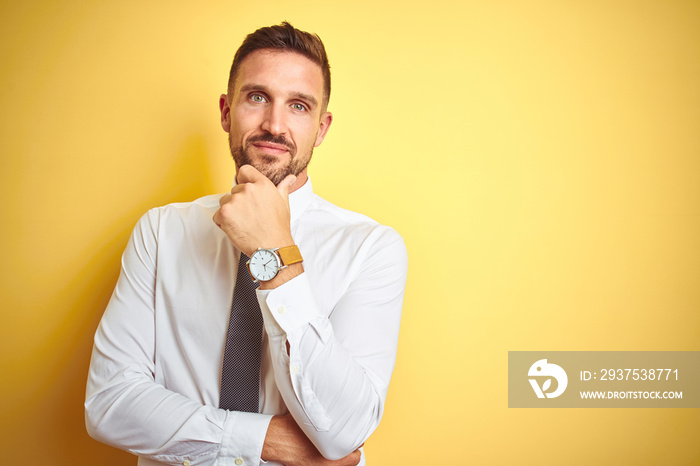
280 440
283 276
276 243
271 445
275 267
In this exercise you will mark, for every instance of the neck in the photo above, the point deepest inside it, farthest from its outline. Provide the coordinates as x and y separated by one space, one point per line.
301 179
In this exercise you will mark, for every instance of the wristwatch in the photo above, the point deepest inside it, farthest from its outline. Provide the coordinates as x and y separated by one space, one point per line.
264 264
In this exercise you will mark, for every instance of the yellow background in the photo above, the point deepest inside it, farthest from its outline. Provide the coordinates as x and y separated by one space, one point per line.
540 158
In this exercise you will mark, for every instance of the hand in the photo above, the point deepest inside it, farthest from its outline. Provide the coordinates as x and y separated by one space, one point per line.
255 214
286 443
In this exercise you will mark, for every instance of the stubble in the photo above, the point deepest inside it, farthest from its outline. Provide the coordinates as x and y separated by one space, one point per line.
268 165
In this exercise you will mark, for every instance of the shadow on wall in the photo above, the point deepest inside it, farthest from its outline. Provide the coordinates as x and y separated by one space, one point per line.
58 414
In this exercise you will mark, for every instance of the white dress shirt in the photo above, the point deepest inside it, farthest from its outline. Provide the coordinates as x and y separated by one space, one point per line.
154 379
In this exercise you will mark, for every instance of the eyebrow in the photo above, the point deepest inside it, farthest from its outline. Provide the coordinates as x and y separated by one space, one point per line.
297 95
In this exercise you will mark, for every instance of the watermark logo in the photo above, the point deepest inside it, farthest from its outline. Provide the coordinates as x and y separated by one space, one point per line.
543 370
603 379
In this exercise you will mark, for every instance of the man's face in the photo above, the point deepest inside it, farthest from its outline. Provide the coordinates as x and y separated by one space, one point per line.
274 114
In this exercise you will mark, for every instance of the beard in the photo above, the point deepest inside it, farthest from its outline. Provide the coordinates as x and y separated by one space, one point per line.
272 167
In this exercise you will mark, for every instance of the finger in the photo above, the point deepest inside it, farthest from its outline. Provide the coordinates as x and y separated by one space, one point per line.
236 189
217 218
285 185
224 199
248 174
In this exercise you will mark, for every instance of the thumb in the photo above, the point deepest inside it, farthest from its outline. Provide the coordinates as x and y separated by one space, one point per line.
284 186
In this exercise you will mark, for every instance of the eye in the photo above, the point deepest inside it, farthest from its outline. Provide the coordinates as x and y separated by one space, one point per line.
257 98
299 107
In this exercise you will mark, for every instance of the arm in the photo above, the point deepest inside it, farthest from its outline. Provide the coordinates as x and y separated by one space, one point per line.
124 405
333 371
332 366
286 442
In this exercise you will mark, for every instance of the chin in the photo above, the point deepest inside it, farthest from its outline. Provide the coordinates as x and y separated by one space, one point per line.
274 172
274 168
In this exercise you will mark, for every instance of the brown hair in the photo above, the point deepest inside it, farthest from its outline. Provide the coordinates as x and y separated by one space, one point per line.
285 37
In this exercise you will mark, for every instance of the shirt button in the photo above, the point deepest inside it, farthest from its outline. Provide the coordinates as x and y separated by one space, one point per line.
239 461
294 369
186 463
281 309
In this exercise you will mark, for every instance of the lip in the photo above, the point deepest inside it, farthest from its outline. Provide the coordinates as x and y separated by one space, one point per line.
271 148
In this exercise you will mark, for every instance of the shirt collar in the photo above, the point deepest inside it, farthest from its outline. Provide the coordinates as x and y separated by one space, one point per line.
300 199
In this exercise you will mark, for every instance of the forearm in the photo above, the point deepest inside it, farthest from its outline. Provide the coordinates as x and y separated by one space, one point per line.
329 393
126 409
333 382
148 420
286 443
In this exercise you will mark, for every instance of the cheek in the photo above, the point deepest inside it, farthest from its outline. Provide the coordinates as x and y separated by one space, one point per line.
244 122
306 136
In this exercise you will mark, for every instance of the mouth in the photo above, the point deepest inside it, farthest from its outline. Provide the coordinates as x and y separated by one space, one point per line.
270 148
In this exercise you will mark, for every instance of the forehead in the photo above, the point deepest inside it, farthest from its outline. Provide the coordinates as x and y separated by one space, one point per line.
281 71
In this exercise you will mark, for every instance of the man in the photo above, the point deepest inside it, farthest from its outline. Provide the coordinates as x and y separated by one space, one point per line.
167 377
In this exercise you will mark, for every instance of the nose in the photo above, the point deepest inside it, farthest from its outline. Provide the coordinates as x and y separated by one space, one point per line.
275 121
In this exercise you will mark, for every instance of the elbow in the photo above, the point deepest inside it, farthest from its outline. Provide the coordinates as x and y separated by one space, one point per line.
95 423
92 424
338 449
343 441
93 430
333 452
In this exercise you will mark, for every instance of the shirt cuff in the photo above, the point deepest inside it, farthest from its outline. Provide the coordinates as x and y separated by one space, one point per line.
244 435
288 307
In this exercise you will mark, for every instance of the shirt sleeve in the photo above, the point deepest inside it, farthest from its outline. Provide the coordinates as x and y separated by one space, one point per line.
335 378
127 409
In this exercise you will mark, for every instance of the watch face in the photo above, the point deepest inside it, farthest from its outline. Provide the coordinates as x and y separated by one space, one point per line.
264 265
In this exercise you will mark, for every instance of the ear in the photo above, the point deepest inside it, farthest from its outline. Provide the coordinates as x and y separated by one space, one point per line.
325 123
225 110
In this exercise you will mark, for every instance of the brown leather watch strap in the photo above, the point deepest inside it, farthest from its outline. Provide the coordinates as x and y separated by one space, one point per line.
290 255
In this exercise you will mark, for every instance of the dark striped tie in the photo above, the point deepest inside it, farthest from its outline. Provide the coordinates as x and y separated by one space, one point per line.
240 372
